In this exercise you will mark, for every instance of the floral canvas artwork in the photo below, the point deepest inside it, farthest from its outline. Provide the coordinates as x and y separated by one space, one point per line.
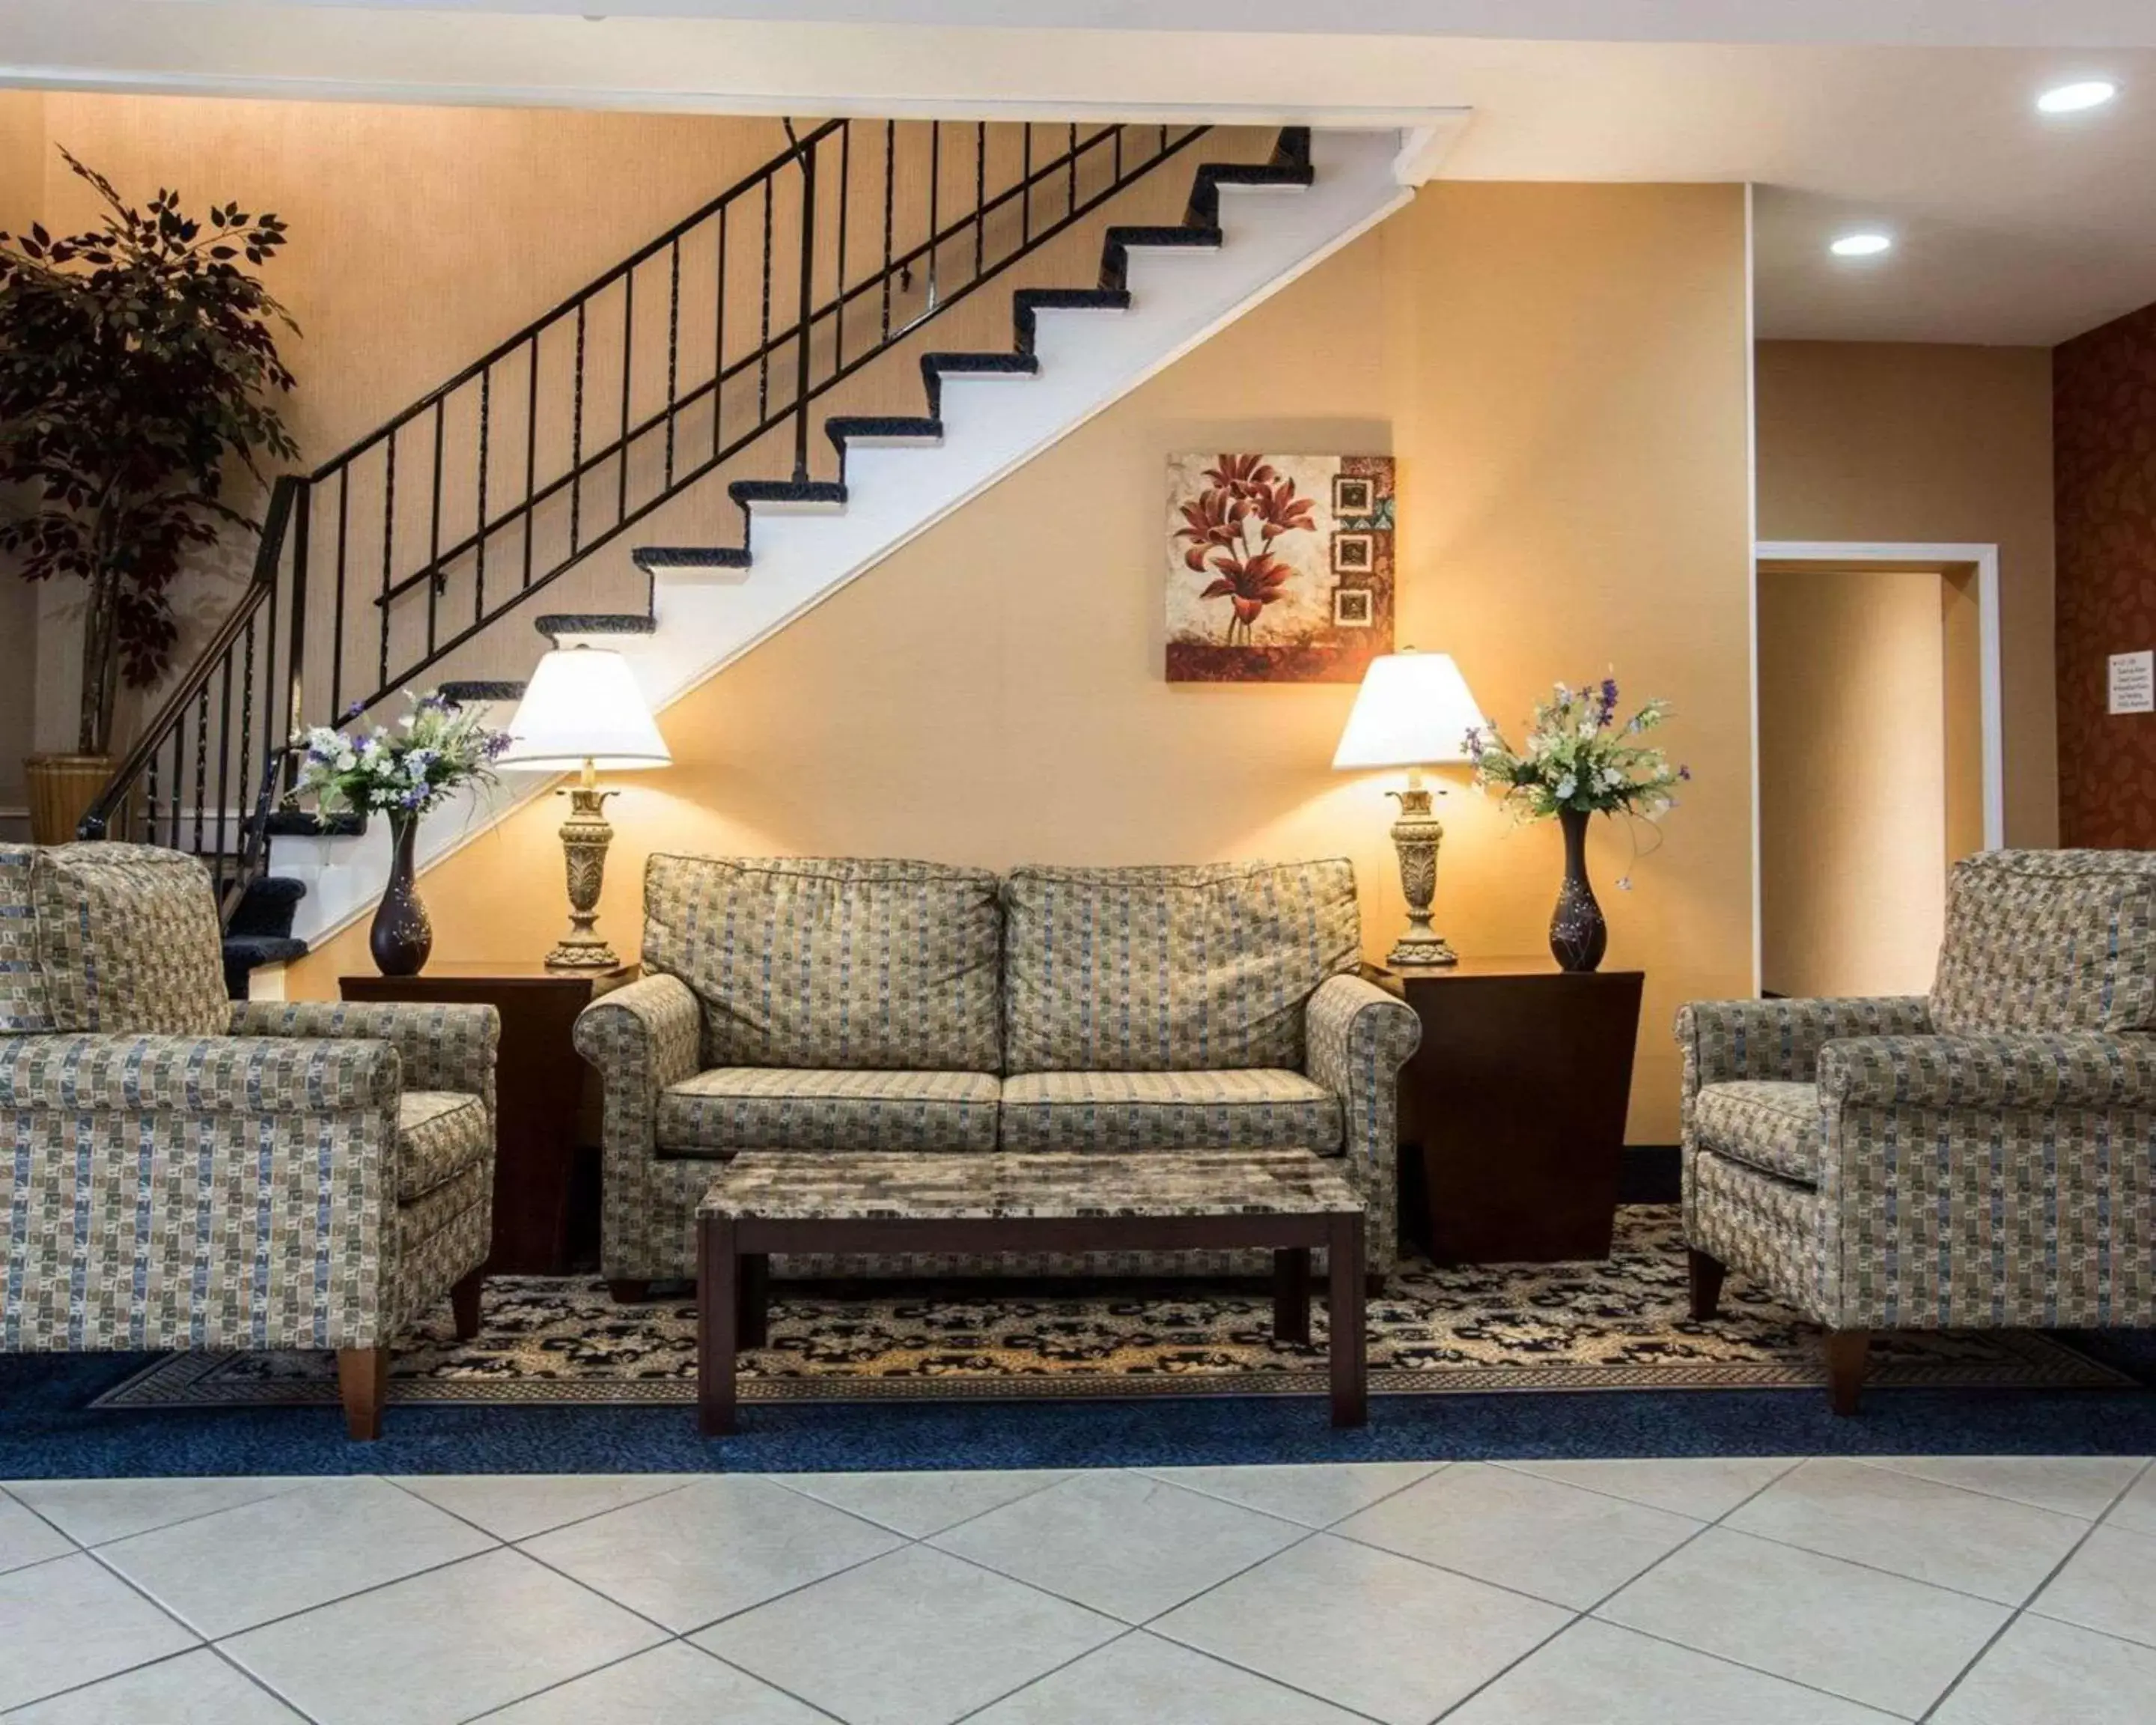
1280 568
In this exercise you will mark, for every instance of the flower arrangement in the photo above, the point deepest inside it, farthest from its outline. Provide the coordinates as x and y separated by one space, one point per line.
434 748
1577 759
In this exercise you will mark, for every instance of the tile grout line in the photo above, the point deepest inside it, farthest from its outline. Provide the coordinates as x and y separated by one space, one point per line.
687 1480
298 1482
1883 1463
2034 1594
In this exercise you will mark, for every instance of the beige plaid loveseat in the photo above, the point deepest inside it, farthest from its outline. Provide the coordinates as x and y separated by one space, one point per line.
800 1004
180 1171
1984 1158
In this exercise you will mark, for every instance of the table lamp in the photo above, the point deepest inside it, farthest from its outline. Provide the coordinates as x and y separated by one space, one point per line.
581 711
1413 710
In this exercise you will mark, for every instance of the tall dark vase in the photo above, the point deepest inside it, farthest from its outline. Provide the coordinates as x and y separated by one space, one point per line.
402 936
1578 936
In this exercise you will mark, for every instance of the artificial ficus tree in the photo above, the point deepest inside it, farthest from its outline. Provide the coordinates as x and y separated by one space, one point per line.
138 367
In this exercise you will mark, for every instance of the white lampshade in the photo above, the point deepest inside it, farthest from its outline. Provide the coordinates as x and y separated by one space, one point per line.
583 705
1414 710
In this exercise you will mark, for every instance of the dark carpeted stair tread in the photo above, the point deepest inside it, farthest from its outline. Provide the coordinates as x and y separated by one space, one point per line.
305 823
844 426
245 953
1027 301
1203 209
652 558
1116 248
556 624
748 492
266 908
473 690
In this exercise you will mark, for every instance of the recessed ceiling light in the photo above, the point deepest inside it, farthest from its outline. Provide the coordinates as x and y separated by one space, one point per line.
2074 98
1862 245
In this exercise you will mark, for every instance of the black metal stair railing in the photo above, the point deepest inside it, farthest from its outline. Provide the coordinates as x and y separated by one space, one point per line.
706 346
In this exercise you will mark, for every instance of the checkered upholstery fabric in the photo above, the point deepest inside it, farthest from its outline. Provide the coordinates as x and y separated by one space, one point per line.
236 1190
2049 940
734 1108
1171 969
1179 1006
1245 1108
1993 1181
836 962
25 1005
128 940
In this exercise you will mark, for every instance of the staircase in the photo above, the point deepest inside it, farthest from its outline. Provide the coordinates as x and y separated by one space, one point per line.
788 306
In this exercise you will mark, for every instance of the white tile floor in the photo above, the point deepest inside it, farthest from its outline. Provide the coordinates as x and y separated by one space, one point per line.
2011 1592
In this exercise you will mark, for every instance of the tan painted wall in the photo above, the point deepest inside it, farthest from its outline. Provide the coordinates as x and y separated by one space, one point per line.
1853 779
1561 371
22 144
1881 441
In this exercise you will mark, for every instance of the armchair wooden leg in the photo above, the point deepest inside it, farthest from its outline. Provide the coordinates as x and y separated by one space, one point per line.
1845 1351
1706 1275
463 1304
363 1384
627 1292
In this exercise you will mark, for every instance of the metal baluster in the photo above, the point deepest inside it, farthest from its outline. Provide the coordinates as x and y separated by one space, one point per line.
628 374
202 761
890 162
764 340
838 284
1025 190
719 336
803 328
1071 149
980 191
388 546
576 444
531 457
935 200
247 779
1118 130
224 747
336 635
435 579
672 349
295 701
485 421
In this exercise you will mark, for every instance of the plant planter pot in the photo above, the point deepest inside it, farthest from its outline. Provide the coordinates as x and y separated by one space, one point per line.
62 788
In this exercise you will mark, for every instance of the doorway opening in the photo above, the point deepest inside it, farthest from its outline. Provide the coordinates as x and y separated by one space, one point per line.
1877 756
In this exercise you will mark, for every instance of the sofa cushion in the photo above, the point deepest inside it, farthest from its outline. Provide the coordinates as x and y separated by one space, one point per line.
23 1005
831 962
1170 969
735 1108
1773 1127
128 940
2048 941
439 1134
1242 1108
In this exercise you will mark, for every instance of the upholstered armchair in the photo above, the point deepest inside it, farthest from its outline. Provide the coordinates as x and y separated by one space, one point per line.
1982 1159
190 1173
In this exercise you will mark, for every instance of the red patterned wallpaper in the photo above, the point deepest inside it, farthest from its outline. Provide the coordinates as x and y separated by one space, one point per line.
2103 406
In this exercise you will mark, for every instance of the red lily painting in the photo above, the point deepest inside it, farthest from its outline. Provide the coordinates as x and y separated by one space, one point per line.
1231 524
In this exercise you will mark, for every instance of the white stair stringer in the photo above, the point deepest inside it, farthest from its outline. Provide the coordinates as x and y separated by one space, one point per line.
992 424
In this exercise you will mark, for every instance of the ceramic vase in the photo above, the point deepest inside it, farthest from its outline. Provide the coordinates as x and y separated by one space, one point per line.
402 936
1578 935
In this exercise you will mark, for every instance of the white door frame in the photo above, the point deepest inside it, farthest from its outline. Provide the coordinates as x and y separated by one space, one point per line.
1984 558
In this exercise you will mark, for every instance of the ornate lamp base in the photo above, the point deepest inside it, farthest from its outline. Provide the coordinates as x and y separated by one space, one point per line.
585 836
1416 836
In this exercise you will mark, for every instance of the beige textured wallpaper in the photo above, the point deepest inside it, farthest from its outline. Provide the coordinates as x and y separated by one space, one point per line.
1563 374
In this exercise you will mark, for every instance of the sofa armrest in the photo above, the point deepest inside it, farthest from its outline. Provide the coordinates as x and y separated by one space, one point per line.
1356 1039
195 1074
2082 1070
199 1191
642 1038
444 1047
1724 1040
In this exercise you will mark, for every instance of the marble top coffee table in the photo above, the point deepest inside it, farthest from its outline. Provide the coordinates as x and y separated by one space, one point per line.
1287 1201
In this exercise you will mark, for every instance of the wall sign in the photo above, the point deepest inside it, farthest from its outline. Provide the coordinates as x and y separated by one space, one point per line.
2134 682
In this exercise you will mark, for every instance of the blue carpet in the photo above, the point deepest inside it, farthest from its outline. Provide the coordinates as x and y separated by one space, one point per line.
46 1431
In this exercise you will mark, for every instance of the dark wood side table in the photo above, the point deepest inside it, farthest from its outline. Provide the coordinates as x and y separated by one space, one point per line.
1515 1104
540 1083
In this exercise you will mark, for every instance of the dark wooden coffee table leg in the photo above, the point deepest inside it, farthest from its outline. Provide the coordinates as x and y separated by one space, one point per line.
1291 1295
718 1300
754 1299
1351 1399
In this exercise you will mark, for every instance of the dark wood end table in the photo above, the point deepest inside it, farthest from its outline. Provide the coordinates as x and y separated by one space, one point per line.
1289 1201
1515 1103
539 1090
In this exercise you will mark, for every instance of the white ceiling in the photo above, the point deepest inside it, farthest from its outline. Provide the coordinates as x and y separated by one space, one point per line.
2013 227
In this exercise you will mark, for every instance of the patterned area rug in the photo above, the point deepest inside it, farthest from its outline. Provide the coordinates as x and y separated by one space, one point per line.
1619 1325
